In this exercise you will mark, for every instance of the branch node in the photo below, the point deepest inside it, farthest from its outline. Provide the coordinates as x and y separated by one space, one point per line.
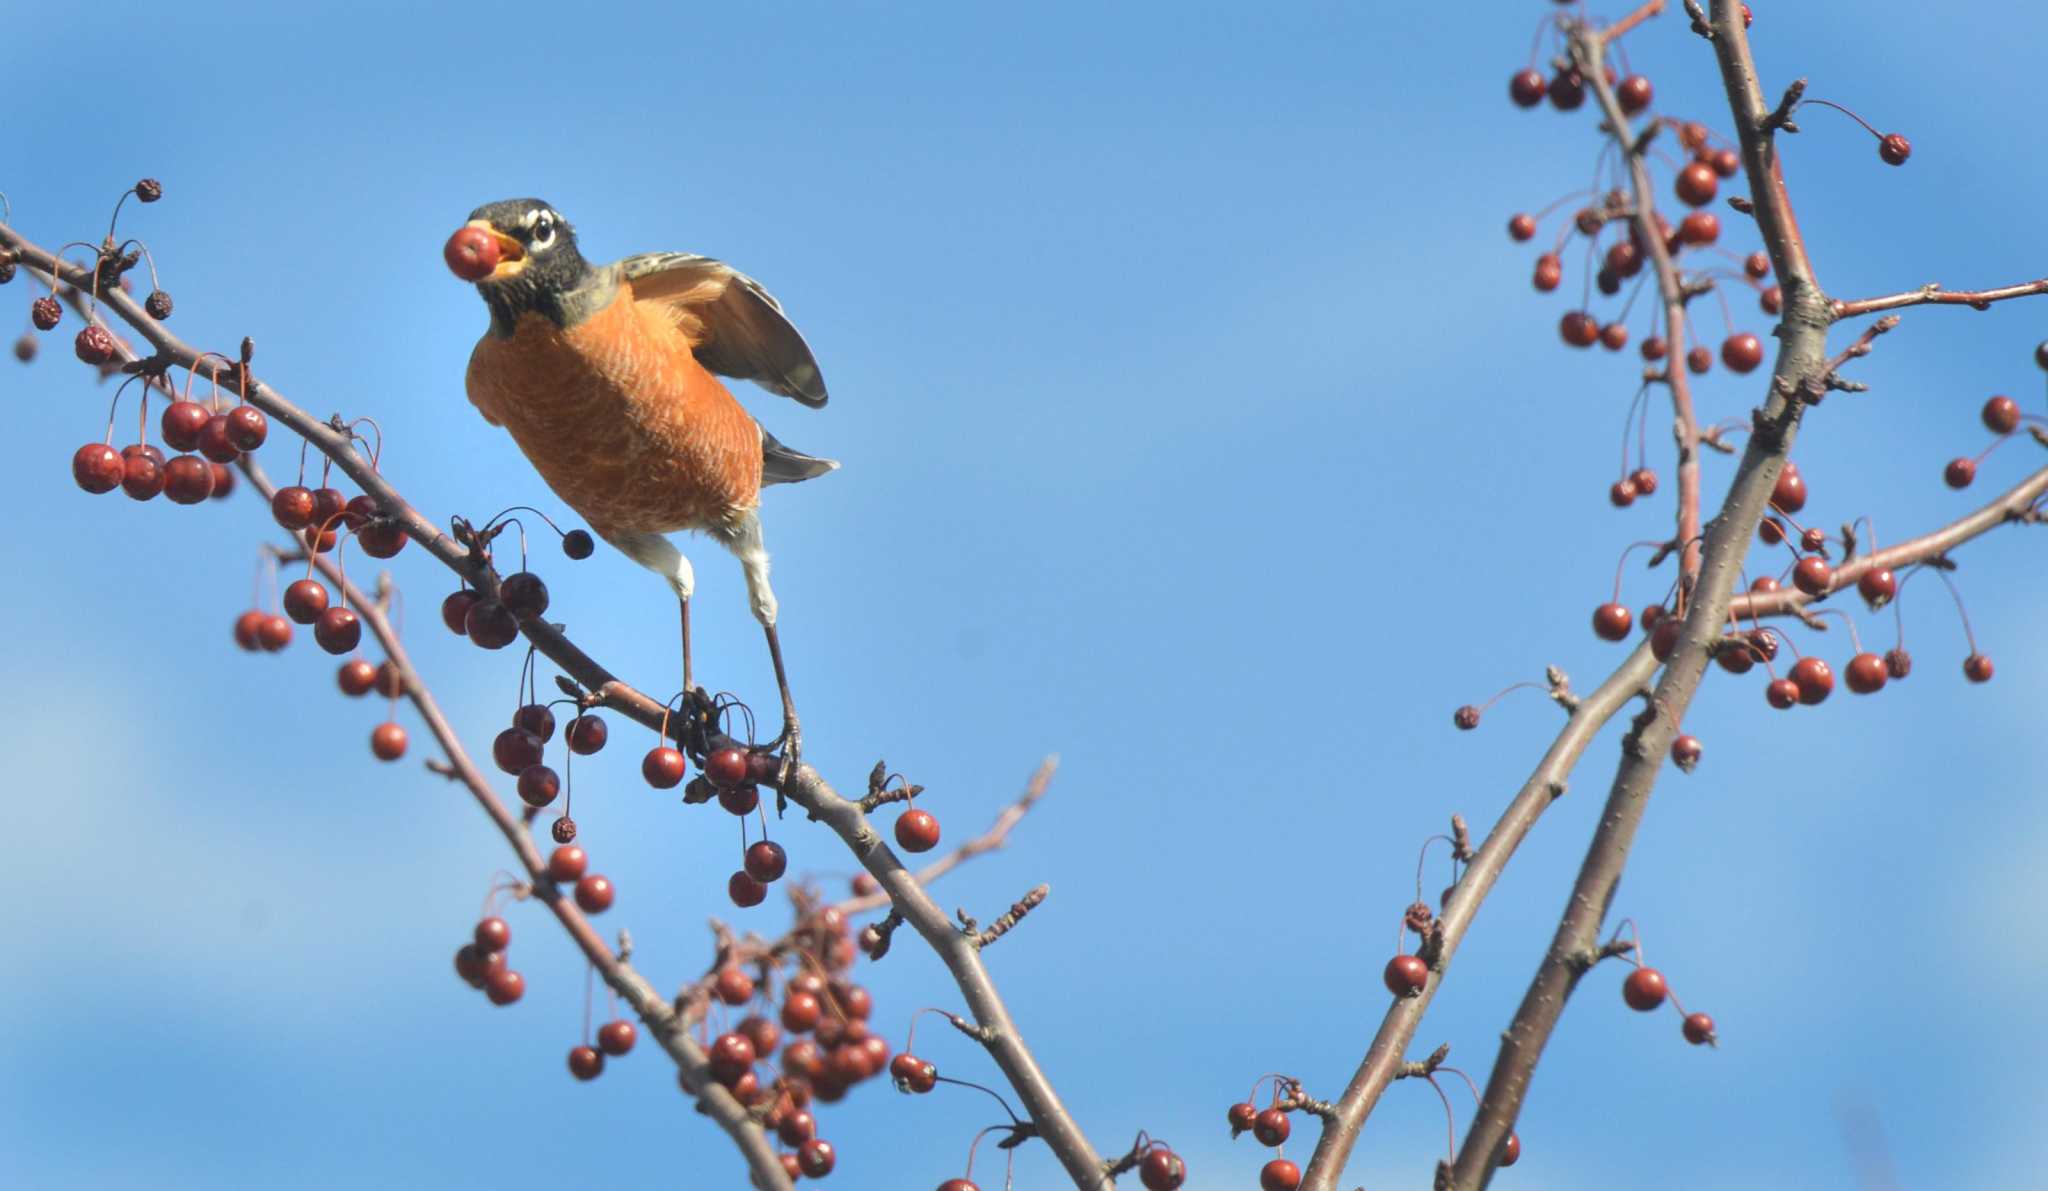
1782 117
1011 917
979 1033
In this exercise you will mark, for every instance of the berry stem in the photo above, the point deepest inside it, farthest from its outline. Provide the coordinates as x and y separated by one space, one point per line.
1961 611
1829 103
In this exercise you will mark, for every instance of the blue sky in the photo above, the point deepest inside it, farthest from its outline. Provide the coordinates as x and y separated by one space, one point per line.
1198 425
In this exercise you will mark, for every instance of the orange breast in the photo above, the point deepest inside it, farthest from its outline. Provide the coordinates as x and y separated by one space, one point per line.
621 420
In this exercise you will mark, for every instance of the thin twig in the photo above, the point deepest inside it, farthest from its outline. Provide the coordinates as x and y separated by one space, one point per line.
1932 294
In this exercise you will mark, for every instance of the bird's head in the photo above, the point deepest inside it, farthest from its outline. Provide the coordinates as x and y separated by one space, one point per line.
522 256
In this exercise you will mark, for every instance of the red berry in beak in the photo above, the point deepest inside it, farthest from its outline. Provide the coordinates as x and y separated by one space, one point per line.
471 253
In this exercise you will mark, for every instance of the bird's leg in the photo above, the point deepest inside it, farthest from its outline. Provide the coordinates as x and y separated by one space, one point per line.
744 540
660 555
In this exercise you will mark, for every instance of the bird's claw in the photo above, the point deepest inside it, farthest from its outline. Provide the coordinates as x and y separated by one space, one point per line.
791 746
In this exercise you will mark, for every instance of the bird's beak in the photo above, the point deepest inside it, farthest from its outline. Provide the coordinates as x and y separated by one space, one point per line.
511 253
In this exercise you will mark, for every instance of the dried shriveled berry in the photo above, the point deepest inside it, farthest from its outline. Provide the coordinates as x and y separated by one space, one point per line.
157 305
93 345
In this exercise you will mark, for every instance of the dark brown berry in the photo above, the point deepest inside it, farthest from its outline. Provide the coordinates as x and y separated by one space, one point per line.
524 594
490 624
1653 348
766 861
1898 663
577 544
1894 149
744 890
513 749
586 733
740 800
1525 88
149 190
44 312
157 305
563 830
1567 90
93 345
535 718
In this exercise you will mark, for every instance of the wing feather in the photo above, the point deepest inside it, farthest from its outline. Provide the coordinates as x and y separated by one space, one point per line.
735 327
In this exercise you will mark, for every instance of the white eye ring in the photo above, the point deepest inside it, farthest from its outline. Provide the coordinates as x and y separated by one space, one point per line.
543 230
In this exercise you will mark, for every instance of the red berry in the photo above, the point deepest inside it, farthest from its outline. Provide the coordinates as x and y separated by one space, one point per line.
766 861
1645 481
214 442
1521 227
1894 149
1622 493
473 965
1700 227
917 831
732 1055
181 423
1697 183
274 633
1898 662
1549 273
188 479
381 539
1813 575
1465 718
1789 494
1757 265
801 1011
594 894
1697 1028
2001 415
1771 299
1877 586
586 734
1653 348
44 312
1279 1175
1633 94
504 986
1734 655
1742 352
338 630
387 741
1578 328
142 472
1770 531
455 610
305 600
1644 989
815 1158
1685 753
1865 674
1161 1169
912 1074
98 468
390 682
1271 1127
247 428
663 767
567 863
1960 472
493 934
1698 361
356 677
1611 622
726 768
1511 1150
958 1185
513 750
744 890
471 253
538 785
1405 975
740 800
1664 637
490 624
1763 643
1567 90
1977 668
1814 679
1614 337
585 1063
1782 693
790 1165
733 986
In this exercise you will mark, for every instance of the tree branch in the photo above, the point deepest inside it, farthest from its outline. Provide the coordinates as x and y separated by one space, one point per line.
1801 359
1932 294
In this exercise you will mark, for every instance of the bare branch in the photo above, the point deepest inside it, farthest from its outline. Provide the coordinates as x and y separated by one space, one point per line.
1932 294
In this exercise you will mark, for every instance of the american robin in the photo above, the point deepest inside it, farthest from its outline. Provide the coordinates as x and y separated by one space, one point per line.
603 376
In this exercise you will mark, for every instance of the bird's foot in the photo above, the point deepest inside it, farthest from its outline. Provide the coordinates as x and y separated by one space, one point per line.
790 746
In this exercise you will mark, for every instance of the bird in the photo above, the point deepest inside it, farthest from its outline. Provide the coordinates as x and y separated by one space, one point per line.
606 376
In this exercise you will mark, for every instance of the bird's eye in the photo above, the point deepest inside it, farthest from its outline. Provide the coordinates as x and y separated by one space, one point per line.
543 231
